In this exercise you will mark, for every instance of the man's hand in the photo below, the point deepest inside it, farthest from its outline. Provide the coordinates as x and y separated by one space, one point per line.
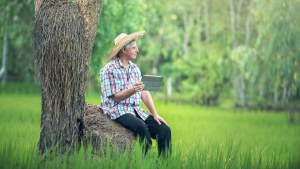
159 119
122 95
138 86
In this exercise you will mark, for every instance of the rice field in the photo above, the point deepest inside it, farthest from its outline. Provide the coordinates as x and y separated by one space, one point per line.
202 137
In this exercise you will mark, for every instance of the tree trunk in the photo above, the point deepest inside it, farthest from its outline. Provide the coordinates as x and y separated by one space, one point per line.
169 87
232 21
239 88
206 19
238 12
3 70
37 5
187 25
247 25
63 37
198 24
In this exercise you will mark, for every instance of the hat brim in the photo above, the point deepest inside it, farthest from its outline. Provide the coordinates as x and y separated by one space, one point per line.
133 36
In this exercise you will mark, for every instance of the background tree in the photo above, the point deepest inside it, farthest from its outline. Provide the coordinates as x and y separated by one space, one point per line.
277 44
15 40
238 51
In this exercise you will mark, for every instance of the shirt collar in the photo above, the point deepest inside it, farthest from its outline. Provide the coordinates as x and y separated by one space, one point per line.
119 63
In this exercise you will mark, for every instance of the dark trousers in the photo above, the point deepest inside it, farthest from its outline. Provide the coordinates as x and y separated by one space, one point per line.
146 130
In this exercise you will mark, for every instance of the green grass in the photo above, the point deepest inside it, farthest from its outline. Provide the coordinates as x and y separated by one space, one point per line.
202 138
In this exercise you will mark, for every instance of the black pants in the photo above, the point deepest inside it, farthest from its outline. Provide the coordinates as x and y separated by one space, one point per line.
146 130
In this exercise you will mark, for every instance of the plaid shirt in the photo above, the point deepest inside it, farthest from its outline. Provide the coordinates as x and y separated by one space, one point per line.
115 78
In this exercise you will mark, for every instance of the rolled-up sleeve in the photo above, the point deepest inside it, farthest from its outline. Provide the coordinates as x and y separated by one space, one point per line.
110 83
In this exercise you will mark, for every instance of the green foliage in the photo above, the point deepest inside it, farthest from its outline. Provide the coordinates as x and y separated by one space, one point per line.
261 70
202 138
204 74
245 74
228 155
117 17
20 88
278 49
16 19
190 43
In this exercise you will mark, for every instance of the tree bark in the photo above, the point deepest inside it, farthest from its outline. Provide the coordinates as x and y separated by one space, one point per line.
62 70
90 11
97 127
37 5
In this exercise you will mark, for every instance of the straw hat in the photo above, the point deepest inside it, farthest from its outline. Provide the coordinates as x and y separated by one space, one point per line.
121 40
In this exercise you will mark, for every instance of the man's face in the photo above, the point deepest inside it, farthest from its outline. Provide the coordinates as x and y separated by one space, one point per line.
132 51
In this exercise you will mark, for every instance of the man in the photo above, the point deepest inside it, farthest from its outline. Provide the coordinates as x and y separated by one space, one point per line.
122 94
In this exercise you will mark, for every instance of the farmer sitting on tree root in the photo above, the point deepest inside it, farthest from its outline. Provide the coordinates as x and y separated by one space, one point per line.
122 94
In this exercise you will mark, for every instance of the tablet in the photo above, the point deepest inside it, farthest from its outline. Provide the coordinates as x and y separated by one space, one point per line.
152 83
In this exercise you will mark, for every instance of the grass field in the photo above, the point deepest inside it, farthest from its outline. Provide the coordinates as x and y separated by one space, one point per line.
202 138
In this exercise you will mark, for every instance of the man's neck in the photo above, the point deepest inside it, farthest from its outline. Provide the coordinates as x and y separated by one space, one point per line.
125 62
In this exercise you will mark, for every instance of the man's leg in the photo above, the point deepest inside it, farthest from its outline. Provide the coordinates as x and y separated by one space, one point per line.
162 133
138 127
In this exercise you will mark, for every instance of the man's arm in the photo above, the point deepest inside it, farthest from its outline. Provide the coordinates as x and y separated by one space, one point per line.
122 95
147 99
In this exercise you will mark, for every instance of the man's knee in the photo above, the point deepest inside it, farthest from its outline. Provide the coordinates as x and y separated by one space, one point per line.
141 129
165 132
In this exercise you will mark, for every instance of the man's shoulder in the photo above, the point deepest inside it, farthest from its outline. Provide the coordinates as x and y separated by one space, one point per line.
109 67
133 65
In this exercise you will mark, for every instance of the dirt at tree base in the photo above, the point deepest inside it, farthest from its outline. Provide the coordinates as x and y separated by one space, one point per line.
98 128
